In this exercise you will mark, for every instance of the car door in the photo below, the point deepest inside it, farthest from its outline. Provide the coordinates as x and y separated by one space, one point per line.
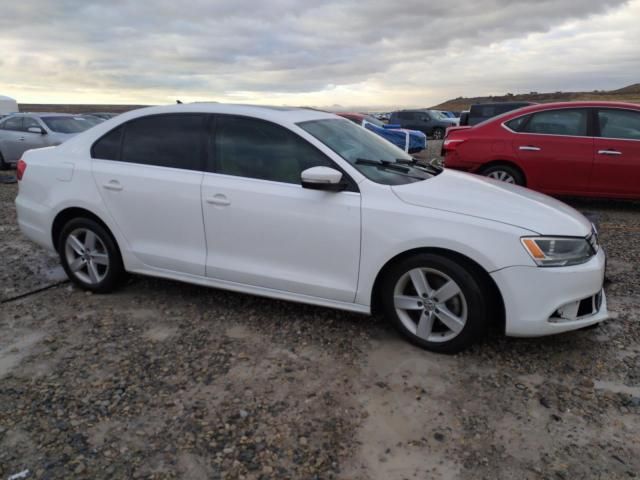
31 139
149 173
12 139
616 169
263 228
555 150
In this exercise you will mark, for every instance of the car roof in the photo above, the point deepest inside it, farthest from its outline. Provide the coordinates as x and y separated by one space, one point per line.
43 114
583 104
282 115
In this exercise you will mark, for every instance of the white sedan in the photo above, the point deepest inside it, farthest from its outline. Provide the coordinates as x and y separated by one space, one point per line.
305 206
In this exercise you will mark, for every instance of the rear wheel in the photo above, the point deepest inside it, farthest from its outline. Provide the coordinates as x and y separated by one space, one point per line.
504 173
3 165
438 133
436 302
90 256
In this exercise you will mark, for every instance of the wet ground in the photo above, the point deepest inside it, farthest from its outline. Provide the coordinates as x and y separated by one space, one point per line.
168 380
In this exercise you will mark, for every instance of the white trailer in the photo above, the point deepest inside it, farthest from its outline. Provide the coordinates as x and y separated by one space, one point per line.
7 105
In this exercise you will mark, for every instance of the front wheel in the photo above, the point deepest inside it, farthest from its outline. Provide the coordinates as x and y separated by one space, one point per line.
436 302
90 256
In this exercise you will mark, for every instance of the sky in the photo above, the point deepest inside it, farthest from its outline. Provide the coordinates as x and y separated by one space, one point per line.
376 54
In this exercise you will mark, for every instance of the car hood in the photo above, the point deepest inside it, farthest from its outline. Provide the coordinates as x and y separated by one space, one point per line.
482 197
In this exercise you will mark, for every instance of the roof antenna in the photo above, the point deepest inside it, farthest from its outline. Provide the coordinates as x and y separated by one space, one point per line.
178 102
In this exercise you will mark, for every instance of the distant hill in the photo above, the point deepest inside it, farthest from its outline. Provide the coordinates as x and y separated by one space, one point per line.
60 108
626 94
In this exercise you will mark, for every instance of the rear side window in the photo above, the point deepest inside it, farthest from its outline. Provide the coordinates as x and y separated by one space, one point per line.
248 147
622 124
517 123
407 115
571 122
108 147
14 123
173 140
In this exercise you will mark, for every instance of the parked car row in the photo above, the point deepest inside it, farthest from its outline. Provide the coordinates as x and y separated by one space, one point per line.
20 132
411 141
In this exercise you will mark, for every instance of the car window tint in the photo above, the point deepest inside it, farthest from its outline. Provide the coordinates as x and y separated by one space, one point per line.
66 124
623 124
517 123
108 147
248 147
558 122
30 122
14 123
173 140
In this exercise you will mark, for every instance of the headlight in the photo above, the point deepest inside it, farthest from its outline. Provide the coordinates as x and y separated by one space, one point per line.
558 251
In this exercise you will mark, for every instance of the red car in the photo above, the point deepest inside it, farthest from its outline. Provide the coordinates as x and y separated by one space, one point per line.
573 148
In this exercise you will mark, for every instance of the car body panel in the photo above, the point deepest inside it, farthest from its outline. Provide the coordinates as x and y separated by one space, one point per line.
283 241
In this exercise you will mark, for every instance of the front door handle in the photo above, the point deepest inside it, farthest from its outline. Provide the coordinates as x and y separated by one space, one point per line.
113 185
530 148
21 139
218 199
609 152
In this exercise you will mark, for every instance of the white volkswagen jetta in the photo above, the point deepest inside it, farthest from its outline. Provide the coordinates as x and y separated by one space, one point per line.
302 205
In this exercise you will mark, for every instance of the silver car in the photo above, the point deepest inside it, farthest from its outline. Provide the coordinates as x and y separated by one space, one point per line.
23 131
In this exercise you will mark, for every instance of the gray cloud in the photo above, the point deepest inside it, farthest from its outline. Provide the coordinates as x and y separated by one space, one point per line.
220 48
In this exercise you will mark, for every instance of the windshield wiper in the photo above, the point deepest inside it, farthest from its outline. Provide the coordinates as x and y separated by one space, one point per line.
388 165
421 166
383 164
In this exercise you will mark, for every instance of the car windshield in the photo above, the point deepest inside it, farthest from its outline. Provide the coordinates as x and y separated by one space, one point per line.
373 156
67 124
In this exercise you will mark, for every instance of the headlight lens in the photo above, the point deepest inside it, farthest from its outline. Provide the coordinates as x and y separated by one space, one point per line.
558 251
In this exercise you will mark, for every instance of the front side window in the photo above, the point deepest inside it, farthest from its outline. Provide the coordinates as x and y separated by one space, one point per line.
172 140
12 123
375 157
571 122
30 122
253 148
622 124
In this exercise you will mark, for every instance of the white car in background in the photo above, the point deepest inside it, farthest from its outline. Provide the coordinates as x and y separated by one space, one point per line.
303 205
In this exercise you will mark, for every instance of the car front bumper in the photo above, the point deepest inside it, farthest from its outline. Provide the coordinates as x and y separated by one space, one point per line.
544 301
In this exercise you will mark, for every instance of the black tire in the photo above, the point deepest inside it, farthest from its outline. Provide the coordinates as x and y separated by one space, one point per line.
508 170
111 275
438 133
471 296
3 165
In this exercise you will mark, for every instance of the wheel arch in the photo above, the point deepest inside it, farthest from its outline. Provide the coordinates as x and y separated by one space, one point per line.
75 212
489 286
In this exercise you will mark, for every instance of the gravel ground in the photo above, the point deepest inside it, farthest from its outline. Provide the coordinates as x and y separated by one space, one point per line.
168 380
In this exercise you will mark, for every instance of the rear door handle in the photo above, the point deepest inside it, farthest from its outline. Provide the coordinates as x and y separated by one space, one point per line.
530 148
609 152
21 139
113 185
218 199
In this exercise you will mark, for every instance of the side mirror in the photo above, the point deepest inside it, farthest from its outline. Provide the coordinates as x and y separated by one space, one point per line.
322 178
36 130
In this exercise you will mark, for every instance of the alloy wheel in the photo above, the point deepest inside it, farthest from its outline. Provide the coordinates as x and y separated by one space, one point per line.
430 304
502 175
87 256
